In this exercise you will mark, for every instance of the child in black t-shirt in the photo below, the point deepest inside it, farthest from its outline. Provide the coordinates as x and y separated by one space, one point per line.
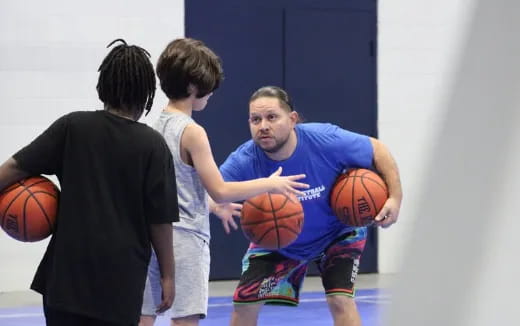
118 195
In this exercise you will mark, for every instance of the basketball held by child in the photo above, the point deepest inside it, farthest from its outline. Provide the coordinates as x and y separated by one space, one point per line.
272 221
28 209
358 196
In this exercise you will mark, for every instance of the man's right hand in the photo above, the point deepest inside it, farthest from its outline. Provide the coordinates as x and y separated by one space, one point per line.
168 295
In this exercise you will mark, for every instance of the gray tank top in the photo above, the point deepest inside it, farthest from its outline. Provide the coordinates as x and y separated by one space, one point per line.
192 196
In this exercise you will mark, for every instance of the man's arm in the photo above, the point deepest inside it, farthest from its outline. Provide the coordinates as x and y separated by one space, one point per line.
387 168
10 172
162 241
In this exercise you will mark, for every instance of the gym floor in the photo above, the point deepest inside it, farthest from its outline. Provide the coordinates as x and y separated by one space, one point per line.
24 308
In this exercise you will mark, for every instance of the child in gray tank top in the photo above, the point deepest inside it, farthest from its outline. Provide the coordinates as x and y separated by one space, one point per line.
189 72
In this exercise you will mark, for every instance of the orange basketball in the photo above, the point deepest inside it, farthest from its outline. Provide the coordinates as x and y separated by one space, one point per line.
272 221
28 209
358 196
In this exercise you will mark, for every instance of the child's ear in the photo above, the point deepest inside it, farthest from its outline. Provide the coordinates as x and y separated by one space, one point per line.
192 90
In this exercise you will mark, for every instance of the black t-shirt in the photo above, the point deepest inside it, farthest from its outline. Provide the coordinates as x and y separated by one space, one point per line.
116 178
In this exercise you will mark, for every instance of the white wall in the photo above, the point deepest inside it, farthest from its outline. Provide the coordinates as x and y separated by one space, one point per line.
50 52
49 55
418 46
463 266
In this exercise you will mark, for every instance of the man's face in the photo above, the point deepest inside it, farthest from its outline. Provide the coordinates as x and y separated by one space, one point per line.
270 124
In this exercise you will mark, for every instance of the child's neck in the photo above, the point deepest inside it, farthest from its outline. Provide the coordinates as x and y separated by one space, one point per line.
184 106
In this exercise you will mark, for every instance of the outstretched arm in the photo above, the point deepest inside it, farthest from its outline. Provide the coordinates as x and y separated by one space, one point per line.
387 168
196 142
10 172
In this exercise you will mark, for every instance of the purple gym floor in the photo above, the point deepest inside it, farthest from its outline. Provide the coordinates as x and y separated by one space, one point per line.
312 311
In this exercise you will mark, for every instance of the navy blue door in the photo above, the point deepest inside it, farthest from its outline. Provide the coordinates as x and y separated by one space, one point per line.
322 52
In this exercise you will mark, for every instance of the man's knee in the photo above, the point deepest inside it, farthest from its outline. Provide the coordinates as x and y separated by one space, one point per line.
340 304
245 315
247 309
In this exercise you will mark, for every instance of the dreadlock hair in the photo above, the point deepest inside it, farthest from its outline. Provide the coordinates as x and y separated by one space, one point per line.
186 62
126 79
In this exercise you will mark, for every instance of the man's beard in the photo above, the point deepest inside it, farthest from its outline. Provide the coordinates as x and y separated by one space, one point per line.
277 145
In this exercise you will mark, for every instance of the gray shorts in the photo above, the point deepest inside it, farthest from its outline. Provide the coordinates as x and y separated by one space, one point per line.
191 278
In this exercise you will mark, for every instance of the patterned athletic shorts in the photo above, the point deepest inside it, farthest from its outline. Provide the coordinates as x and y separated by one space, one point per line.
271 278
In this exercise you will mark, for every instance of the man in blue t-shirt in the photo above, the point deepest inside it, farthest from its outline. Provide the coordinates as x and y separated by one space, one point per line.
321 151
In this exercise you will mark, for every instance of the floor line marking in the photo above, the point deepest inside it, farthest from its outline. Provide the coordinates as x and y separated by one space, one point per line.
375 299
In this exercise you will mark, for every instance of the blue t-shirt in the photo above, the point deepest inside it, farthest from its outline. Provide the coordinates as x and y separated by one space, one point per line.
322 152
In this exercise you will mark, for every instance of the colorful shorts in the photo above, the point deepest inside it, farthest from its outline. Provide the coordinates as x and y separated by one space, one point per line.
271 278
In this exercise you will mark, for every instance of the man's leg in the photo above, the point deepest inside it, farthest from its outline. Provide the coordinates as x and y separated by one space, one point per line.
245 314
339 268
344 310
267 277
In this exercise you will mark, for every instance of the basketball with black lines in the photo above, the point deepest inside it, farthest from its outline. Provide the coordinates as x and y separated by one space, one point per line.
272 221
358 196
28 209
